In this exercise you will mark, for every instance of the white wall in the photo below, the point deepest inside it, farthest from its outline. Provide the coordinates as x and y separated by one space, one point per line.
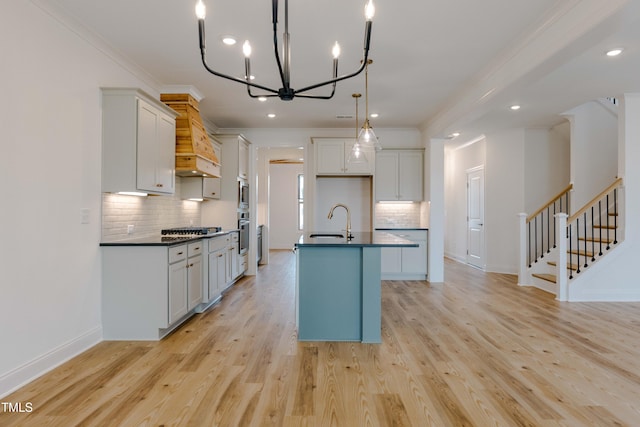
50 268
547 164
594 151
504 198
355 192
283 205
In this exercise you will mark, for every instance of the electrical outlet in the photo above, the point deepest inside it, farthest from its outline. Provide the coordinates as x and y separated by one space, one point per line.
84 216
130 228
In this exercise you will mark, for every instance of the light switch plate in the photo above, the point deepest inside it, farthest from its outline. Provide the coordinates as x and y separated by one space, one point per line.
84 216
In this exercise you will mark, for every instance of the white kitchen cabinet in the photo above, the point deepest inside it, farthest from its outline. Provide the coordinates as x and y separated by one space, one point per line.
138 143
197 188
145 291
178 305
405 263
217 247
234 256
332 158
235 156
194 274
399 175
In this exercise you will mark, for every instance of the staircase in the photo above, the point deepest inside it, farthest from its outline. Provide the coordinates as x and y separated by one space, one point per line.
556 248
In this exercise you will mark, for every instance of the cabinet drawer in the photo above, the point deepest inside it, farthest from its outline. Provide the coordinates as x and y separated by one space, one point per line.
195 248
177 253
414 235
218 243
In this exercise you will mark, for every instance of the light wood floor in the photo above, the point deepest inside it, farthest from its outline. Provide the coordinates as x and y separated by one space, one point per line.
476 351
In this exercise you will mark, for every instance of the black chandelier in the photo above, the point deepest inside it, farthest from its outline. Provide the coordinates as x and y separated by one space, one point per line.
286 92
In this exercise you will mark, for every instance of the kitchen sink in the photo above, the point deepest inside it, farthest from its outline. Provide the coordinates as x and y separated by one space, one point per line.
327 235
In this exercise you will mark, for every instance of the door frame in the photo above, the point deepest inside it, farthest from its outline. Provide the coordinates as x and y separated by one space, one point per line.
479 260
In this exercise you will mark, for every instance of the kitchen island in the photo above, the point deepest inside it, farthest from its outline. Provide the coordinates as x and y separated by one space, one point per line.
338 286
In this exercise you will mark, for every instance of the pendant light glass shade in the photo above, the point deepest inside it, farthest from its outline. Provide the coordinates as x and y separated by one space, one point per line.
368 138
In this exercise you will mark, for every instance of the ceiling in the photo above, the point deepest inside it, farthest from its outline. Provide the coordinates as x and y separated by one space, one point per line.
445 66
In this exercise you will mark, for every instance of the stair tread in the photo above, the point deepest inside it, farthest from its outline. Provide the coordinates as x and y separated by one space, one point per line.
596 239
548 277
580 252
605 227
569 265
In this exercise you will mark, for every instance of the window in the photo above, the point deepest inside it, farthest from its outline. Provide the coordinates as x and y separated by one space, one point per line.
300 201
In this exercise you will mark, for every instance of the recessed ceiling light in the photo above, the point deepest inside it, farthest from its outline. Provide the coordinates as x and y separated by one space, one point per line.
228 40
455 134
614 52
374 115
515 107
262 98
271 115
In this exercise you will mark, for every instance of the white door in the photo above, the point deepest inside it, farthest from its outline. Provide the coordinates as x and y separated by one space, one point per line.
475 217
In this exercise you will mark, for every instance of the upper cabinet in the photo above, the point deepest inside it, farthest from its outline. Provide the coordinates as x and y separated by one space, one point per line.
399 175
194 152
138 140
235 151
333 158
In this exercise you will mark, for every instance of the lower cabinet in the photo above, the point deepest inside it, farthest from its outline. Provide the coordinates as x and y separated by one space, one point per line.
405 263
149 290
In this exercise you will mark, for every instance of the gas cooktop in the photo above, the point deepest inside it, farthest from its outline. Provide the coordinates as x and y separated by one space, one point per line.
193 231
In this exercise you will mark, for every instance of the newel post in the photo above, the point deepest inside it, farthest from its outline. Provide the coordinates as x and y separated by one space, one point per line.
523 279
562 281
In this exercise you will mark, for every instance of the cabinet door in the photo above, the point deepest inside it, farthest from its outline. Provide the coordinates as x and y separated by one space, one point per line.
177 290
166 156
211 188
414 260
386 177
194 279
329 156
243 159
221 269
155 150
390 260
410 176
214 287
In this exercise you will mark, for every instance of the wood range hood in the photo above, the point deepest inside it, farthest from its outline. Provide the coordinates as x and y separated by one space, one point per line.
194 152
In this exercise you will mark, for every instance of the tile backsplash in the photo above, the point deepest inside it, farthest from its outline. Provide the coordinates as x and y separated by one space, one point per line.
398 215
148 214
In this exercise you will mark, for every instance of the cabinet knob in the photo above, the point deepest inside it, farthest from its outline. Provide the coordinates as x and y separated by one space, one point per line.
180 253
159 185
213 194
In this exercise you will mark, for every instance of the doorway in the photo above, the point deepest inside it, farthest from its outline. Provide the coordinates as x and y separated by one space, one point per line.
475 217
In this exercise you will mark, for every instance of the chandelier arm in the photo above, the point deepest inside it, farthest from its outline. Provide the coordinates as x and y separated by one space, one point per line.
346 76
235 79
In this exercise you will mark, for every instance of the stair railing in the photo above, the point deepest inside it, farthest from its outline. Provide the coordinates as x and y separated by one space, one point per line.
539 233
542 234
593 229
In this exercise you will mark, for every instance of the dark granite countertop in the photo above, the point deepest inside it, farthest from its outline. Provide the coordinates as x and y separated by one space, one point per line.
401 228
360 239
163 240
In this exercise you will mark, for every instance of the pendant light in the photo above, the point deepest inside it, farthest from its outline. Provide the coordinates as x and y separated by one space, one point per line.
367 138
357 155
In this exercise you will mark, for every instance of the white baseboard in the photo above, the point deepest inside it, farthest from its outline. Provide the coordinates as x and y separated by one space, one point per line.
22 375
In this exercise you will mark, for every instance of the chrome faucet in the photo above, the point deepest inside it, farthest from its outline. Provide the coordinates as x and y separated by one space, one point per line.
349 235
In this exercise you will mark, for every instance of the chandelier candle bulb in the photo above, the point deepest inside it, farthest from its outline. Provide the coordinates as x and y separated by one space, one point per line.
336 51
201 10
369 10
